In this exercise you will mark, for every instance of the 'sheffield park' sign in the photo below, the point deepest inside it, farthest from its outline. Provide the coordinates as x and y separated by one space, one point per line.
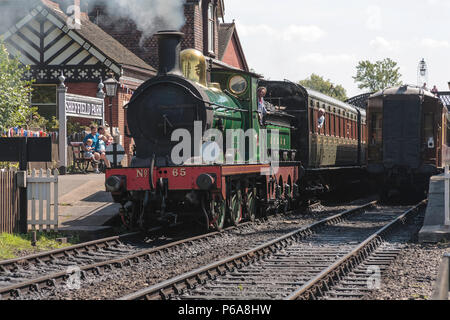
72 105
79 106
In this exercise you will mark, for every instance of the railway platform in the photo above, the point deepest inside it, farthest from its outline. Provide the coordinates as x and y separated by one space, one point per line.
84 207
434 228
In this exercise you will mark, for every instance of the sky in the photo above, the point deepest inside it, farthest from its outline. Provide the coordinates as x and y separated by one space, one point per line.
291 39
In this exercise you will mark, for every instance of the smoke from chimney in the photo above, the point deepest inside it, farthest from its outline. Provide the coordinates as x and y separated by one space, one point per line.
148 15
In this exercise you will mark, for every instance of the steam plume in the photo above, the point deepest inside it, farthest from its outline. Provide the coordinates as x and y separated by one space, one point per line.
148 15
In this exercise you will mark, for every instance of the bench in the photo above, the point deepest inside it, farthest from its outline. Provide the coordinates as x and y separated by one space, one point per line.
80 164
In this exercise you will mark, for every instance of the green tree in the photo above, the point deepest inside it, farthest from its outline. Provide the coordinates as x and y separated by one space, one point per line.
377 76
318 83
14 92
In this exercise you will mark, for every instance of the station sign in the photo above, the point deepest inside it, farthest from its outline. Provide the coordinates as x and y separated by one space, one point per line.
84 107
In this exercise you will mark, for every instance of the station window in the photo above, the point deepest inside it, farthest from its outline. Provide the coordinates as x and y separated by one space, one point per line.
211 28
44 98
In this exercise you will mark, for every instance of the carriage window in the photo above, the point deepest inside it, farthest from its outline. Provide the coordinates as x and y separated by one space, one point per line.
428 127
336 120
447 122
376 123
333 125
328 124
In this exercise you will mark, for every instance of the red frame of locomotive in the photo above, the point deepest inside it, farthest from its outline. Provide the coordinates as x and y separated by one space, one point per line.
183 178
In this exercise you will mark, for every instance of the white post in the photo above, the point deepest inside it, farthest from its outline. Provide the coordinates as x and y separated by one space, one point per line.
62 91
102 95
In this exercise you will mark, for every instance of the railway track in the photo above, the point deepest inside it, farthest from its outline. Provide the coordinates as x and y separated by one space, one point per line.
308 263
21 276
30 274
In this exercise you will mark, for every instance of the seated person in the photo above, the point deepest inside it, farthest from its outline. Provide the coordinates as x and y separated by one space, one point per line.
93 135
89 150
103 141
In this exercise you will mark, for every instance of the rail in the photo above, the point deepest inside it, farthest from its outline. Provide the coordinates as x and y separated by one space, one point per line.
442 285
188 280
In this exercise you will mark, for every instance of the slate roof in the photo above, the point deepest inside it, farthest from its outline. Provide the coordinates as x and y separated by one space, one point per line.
90 32
226 32
112 48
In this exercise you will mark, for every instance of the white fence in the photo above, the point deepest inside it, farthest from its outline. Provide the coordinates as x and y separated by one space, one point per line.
39 193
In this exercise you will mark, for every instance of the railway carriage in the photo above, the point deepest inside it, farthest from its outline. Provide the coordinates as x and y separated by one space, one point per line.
408 127
333 153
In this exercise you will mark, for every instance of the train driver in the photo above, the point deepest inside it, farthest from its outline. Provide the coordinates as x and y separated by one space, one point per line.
262 111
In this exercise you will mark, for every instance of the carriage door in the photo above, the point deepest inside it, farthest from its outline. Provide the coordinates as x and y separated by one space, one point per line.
401 132
432 133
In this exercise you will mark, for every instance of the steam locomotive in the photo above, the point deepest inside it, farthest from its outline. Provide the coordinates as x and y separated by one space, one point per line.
408 129
204 153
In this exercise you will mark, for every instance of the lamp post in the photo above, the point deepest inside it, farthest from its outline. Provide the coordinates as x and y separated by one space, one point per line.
111 85
422 73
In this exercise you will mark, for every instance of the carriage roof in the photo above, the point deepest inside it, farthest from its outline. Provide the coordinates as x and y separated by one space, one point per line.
335 102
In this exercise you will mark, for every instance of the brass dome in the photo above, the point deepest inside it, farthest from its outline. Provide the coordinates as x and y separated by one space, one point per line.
193 65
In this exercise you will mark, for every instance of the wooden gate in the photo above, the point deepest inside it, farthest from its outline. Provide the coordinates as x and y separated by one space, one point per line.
39 192
9 202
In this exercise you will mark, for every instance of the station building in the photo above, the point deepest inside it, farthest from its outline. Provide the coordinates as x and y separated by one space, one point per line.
39 34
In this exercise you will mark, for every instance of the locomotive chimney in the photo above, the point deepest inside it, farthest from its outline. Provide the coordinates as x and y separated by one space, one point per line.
169 46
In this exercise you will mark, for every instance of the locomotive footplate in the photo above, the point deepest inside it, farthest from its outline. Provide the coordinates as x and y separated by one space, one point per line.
204 193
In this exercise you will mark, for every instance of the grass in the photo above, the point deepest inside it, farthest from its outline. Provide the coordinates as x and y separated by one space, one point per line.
13 246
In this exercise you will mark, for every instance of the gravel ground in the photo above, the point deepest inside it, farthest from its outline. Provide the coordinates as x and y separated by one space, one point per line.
413 273
120 282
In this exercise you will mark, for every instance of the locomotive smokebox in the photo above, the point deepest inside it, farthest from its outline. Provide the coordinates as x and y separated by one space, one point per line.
169 47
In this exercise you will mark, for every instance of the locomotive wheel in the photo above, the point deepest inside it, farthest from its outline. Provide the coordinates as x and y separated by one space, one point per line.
129 215
218 216
251 207
236 208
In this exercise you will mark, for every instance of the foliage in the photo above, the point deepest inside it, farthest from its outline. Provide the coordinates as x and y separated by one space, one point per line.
74 127
40 122
12 246
9 165
318 83
14 91
377 76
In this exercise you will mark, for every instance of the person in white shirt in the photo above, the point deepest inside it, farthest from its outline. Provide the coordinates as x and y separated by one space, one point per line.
262 110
